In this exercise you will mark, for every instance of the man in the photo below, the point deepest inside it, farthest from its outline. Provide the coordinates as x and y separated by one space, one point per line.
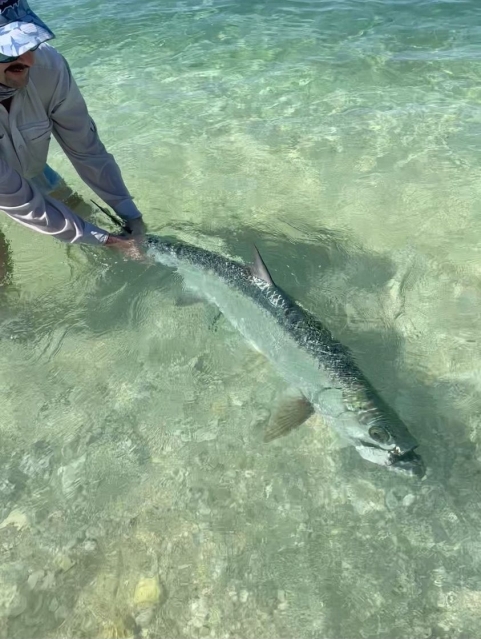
39 98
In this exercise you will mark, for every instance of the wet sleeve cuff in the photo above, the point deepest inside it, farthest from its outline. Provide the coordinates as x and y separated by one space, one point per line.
92 235
126 210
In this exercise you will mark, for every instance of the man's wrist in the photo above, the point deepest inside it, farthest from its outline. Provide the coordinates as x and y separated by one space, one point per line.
127 210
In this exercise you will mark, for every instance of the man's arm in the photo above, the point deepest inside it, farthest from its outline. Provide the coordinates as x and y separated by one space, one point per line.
76 133
25 204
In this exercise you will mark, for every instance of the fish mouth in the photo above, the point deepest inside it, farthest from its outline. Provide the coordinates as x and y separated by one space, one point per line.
409 462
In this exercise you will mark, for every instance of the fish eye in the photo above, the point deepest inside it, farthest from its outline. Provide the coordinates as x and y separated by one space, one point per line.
379 434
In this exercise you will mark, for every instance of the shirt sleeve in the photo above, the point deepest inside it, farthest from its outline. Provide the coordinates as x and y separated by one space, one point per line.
24 203
76 133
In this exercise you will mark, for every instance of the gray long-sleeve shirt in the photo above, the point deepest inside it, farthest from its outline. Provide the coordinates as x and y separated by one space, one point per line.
51 103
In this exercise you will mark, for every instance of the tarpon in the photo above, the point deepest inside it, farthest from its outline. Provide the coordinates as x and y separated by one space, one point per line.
320 369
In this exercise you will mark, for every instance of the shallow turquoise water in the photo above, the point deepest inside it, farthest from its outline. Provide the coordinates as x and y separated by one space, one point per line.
343 138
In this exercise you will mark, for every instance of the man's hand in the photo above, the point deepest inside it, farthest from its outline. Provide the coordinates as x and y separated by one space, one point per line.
127 245
136 227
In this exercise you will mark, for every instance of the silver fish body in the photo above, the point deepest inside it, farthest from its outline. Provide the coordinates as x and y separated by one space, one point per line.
322 371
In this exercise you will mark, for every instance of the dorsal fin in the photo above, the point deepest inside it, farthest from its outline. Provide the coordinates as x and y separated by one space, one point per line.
259 269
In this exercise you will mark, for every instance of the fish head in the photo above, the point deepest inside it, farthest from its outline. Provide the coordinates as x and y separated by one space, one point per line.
377 432
368 423
388 443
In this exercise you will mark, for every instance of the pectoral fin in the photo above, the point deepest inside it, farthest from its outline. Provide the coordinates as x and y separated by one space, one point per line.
186 298
289 415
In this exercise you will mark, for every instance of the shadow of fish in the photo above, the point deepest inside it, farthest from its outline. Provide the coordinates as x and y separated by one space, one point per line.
321 370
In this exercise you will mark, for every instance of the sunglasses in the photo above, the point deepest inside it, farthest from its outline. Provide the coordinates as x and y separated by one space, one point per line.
5 59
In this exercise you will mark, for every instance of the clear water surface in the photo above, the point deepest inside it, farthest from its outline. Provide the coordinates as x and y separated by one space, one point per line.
136 495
